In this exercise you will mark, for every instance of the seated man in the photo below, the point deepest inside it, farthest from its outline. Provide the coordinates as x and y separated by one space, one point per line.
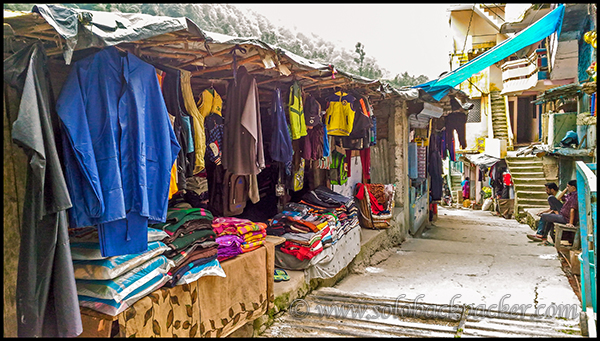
554 198
567 214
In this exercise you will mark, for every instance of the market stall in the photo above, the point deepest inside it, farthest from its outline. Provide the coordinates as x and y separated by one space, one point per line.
181 151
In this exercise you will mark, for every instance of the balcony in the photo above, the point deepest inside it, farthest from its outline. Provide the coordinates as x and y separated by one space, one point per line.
525 74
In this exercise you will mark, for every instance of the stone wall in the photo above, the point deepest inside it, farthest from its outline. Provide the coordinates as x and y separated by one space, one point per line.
15 173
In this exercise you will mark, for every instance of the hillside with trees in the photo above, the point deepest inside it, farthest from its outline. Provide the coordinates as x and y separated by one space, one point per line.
228 19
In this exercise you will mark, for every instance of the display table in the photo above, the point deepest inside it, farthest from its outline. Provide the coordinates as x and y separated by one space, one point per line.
209 307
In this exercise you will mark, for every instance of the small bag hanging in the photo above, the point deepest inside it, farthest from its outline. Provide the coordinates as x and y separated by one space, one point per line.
235 193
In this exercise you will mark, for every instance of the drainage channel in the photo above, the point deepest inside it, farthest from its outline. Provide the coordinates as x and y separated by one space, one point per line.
325 313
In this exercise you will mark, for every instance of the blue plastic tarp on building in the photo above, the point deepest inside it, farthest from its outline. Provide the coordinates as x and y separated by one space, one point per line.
541 29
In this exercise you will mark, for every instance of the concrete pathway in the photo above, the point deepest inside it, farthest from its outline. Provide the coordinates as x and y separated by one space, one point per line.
474 254
465 265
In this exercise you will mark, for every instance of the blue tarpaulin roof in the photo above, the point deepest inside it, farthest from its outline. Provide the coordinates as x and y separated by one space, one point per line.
541 29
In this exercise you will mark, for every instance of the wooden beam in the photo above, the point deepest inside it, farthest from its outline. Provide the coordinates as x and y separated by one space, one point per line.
163 49
166 55
299 74
226 66
55 39
36 28
194 61
327 84
159 42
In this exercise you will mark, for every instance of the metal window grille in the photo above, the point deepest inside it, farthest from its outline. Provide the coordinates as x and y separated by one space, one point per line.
475 113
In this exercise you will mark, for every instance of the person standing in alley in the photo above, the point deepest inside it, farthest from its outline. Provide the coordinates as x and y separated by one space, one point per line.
568 215
466 188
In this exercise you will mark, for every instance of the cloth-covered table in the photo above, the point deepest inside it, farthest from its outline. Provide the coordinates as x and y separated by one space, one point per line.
209 307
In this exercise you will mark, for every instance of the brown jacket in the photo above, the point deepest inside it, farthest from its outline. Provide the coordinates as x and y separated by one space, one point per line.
242 134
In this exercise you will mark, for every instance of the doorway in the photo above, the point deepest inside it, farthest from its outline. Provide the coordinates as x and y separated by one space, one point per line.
525 120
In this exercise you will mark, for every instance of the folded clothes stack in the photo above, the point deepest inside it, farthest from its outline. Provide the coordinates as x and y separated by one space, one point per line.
318 221
254 236
236 236
191 241
230 245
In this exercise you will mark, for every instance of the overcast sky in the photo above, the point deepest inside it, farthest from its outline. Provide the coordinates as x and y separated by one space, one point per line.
401 37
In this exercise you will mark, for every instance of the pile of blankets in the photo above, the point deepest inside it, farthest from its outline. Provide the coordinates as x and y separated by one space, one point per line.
111 284
236 236
318 221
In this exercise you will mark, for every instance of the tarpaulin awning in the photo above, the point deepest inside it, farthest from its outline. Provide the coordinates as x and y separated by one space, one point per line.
541 29
85 28
482 160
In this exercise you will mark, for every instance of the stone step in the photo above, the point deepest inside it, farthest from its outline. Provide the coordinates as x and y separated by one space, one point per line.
520 162
521 158
526 184
527 201
525 168
531 175
531 193
522 208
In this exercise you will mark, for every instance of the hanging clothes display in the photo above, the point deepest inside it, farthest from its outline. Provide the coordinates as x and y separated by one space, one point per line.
280 148
173 99
210 106
119 148
338 171
197 120
210 102
359 137
456 121
46 296
435 169
373 132
365 161
339 116
296 112
242 134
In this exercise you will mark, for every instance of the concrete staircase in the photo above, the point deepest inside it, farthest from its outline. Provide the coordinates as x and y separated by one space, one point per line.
456 179
499 124
529 179
493 13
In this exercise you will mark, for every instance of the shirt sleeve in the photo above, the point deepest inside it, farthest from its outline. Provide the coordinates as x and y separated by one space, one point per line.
82 170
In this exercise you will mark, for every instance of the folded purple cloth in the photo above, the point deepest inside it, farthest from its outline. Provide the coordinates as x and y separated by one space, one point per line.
229 245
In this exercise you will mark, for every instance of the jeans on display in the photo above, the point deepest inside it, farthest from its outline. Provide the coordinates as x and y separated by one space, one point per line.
547 221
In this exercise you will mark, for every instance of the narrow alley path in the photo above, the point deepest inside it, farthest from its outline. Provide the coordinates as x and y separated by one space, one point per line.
465 259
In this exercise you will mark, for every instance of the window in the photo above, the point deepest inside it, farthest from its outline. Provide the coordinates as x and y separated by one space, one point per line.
475 113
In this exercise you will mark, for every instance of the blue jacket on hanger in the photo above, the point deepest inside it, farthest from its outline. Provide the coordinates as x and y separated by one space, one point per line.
119 147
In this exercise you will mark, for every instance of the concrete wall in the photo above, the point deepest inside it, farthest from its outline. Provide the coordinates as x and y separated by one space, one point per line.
389 162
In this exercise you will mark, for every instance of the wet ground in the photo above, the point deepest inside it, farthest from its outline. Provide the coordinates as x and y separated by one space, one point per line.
442 284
